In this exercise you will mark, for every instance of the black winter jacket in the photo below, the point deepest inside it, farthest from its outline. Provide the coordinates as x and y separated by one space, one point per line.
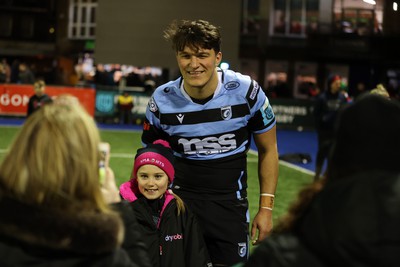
38 236
176 240
352 222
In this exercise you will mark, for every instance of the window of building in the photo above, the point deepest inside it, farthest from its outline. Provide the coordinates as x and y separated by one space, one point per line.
6 24
305 83
276 79
26 27
82 19
294 17
358 17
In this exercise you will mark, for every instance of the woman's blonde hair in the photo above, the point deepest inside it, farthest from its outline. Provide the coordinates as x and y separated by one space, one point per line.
54 159
380 90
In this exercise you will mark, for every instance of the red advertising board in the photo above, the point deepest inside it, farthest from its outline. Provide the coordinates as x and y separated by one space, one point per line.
14 98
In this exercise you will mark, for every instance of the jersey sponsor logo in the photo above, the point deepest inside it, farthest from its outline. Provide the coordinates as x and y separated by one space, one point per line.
180 117
232 85
170 238
209 145
152 105
242 249
226 112
254 91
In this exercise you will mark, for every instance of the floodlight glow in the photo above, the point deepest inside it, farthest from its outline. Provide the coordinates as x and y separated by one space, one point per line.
372 2
395 6
224 65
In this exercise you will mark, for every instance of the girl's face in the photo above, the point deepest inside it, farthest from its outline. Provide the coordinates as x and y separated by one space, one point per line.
152 181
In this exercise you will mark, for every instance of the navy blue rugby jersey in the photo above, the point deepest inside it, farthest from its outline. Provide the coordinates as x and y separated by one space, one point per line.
210 140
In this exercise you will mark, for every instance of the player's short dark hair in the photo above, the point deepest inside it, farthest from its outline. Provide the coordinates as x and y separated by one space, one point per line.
195 34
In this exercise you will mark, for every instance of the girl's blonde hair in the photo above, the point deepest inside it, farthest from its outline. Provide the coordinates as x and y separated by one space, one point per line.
54 159
179 204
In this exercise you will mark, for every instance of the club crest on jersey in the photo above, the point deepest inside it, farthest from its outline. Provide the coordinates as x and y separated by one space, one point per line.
152 105
242 249
226 112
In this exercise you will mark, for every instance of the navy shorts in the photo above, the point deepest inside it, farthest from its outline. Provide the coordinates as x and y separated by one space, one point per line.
225 224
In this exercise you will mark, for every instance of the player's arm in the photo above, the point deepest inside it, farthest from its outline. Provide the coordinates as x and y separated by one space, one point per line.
268 170
151 125
151 133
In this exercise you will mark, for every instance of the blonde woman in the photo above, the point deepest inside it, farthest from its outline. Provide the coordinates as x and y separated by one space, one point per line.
53 211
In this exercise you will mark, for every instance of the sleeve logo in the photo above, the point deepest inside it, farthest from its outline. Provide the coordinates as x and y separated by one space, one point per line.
152 105
231 85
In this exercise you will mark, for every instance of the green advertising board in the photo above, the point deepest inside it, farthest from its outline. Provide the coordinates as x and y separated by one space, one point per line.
293 113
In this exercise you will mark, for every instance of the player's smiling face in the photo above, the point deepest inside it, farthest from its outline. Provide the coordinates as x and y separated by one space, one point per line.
198 67
152 181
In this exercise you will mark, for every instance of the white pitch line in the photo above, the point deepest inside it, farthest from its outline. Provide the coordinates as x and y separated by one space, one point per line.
131 156
285 163
115 155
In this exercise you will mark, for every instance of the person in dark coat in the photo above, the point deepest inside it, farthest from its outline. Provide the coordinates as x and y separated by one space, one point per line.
351 217
326 108
40 98
54 211
173 236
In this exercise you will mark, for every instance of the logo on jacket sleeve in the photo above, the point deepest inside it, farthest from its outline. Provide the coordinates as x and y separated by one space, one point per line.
254 92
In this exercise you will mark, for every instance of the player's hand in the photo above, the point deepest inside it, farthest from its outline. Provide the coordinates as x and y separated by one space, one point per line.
261 226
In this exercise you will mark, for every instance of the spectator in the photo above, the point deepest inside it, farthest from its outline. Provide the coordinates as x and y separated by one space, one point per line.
125 106
53 212
3 76
351 217
14 71
327 105
360 90
25 75
40 98
6 71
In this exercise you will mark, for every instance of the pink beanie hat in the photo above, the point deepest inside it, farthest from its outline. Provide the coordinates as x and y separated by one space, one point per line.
158 154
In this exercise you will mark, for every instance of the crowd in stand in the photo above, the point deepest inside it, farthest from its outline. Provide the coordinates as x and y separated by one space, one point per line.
84 74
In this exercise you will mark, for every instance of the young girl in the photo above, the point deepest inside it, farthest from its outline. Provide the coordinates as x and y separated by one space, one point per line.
171 232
